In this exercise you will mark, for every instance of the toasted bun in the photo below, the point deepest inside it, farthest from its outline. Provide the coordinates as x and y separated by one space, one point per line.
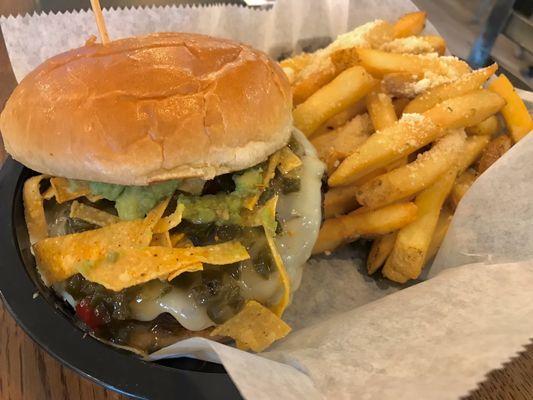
147 109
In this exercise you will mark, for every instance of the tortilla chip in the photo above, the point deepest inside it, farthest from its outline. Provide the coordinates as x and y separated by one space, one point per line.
279 308
179 239
153 217
93 198
65 191
269 173
60 257
92 215
255 327
273 162
288 161
49 193
161 239
265 216
123 268
167 223
34 209
176 238
199 266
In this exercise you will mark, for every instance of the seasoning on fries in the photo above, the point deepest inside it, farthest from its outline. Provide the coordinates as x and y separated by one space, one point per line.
419 103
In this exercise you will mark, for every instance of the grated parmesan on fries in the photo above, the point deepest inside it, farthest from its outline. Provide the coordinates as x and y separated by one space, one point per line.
431 95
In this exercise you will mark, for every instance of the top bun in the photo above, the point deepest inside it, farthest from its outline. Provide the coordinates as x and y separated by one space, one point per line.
147 109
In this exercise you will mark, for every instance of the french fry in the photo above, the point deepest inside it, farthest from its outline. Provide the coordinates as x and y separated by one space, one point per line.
409 24
413 132
412 243
445 218
412 178
472 150
396 164
344 58
416 45
335 146
467 110
298 62
339 201
461 186
331 61
307 85
400 84
345 90
383 114
494 150
346 228
343 51
341 118
380 250
294 65
381 110
399 105
380 63
372 34
437 42
368 177
461 86
383 147
515 112
488 127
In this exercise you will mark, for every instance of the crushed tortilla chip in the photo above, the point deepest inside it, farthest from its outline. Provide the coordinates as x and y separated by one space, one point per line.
255 327
64 191
161 239
193 267
92 215
123 268
288 161
167 223
265 216
153 217
268 174
280 307
34 209
49 193
93 198
60 257
179 239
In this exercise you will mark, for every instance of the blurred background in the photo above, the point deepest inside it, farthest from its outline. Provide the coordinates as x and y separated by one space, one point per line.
476 30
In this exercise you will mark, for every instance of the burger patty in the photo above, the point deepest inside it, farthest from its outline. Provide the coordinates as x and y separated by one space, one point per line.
202 299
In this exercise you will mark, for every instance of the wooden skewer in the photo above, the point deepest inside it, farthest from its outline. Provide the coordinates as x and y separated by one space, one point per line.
97 10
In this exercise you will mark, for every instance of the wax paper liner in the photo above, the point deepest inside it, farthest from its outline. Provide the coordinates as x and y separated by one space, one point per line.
355 336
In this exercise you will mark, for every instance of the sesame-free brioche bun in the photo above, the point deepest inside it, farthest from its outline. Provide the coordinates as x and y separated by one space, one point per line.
147 109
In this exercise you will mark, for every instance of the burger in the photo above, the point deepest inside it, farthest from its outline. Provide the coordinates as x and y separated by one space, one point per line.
173 190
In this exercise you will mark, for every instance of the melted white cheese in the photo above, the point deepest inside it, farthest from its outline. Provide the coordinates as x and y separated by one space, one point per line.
177 302
301 213
254 286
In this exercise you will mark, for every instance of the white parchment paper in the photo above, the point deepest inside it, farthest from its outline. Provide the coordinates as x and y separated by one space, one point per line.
355 336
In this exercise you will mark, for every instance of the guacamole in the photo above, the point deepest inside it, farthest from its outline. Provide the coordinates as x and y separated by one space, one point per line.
223 208
133 202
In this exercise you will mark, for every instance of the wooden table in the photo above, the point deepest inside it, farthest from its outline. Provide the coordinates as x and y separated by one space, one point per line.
29 373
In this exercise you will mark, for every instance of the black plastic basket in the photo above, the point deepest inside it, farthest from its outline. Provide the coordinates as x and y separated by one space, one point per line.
51 323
